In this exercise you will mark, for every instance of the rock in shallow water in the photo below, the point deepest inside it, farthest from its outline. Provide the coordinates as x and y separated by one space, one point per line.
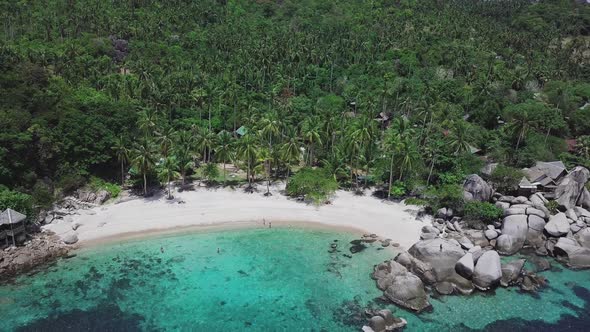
488 271
511 272
464 266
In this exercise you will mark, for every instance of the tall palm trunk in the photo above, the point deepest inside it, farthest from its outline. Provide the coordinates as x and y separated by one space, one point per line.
390 176
169 188
144 184
224 172
122 174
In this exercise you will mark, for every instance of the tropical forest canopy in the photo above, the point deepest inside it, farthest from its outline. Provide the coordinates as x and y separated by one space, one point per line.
393 93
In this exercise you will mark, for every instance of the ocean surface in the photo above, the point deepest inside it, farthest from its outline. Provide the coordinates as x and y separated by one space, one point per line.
276 279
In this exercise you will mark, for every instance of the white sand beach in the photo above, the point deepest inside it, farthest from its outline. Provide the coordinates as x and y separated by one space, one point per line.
207 208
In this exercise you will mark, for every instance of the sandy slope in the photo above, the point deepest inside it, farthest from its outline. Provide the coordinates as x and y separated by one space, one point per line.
223 208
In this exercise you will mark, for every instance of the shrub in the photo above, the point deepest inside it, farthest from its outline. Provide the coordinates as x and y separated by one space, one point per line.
17 201
398 189
448 195
484 211
42 195
505 179
97 184
415 201
211 172
552 206
314 184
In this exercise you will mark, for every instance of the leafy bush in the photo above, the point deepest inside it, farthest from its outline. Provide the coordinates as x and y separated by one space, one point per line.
42 195
505 179
97 184
17 201
70 182
448 195
314 184
398 189
483 211
211 172
415 201
552 206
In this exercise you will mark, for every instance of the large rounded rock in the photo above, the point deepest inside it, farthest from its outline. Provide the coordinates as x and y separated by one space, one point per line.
377 323
464 266
407 290
558 225
491 234
511 272
572 254
488 271
535 212
507 245
512 211
476 189
571 188
516 227
70 238
583 237
537 223
440 254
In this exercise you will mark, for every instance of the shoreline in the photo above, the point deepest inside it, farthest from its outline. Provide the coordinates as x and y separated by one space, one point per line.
207 209
228 226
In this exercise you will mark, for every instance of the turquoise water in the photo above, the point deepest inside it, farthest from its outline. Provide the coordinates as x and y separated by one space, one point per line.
262 280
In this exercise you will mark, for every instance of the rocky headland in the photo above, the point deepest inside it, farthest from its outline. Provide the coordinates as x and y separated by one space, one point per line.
454 258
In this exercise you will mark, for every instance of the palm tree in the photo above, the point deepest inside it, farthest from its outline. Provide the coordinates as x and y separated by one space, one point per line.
409 156
224 150
263 166
290 152
311 136
122 151
165 140
183 150
143 159
459 137
206 142
248 151
168 171
147 122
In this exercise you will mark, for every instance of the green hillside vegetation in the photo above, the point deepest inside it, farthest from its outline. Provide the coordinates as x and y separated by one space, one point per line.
96 88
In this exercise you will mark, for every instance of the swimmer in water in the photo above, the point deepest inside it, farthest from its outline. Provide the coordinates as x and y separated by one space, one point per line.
162 249
218 250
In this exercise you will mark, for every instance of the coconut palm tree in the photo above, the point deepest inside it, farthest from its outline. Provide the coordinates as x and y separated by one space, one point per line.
122 151
144 160
168 171
247 151
224 150
310 133
290 152
183 151
459 137
166 140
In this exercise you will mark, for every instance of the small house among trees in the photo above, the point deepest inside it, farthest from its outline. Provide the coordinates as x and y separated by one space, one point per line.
12 227
543 177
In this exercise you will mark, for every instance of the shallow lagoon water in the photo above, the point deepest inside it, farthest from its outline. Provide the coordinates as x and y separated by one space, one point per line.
276 279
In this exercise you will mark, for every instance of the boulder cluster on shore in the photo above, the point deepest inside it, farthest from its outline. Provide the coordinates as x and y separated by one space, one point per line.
45 247
42 249
452 258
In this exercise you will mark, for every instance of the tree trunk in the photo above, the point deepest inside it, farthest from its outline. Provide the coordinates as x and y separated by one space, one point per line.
224 172
169 188
144 184
390 176
430 173
122 174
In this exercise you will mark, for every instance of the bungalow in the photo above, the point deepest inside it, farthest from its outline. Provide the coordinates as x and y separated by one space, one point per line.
544 177
12 227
